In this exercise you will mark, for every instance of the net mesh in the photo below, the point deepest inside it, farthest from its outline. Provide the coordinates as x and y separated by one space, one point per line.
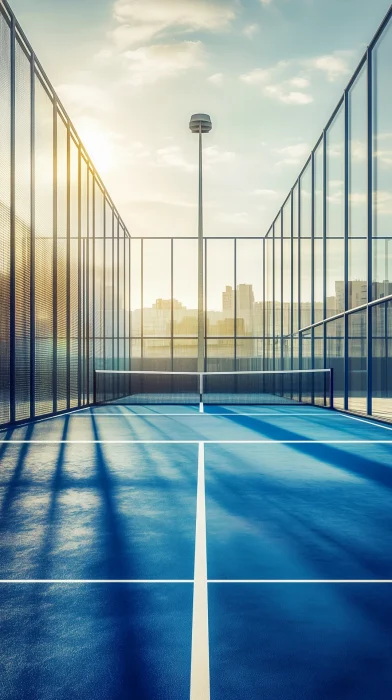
285 387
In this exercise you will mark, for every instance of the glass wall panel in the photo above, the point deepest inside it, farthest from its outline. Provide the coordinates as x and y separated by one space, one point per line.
278 290
357 362
334 352
318 289
157 306
357 154
268 302
249 354
335 177
305 282
335 276
305 244
357 186
220 355
91 282
136 354
61 310
157 354
84 281
382 166
74 274
306 202
319 191
306 350
109 286
249 282
22 232
184 355
318 347
43 251
286 271
220 287
5 219
318 245
185 296
127 299
295 261
99 277
136 287
287 218
382 360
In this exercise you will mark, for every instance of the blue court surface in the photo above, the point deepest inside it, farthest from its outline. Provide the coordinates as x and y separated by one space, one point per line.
157 552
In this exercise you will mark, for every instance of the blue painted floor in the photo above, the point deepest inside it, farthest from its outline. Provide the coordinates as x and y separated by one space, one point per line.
274 510
95 641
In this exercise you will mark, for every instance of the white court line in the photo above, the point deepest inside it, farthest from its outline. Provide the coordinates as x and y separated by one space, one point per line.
196 442
192 415
93 580
301 580
200 660
161 581
368 422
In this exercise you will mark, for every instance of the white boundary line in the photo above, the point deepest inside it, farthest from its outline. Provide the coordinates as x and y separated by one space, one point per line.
201 411
301 580
164 581
93 580
368 422
196 442
200 659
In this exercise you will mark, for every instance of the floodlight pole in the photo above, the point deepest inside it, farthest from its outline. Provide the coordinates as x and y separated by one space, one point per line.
200 124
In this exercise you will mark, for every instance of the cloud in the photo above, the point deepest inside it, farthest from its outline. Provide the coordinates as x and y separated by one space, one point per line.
82 97
334 66
277 86
265 2
256 77
289 97
216 78
250 30
267 194
277 83
299 82
148 64
173 157
382 202
294 154
144 20
239 217
213 156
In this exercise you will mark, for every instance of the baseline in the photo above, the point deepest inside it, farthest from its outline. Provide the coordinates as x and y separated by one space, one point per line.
196 442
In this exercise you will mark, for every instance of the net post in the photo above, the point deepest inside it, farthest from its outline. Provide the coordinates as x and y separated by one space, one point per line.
95 386
201 389
331 387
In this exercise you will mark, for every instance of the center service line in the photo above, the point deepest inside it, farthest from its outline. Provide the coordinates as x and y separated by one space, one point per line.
200 660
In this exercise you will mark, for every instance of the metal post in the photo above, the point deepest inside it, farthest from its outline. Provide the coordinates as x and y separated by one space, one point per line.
12 235
369 408
346 249
200 124
32 238
200 299
55 233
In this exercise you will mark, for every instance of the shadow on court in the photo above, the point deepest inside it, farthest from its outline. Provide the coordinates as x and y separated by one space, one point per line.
95 511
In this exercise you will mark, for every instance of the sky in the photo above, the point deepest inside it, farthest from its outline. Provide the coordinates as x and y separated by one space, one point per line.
131 72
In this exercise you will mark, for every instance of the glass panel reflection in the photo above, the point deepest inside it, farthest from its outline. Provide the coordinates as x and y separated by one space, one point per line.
220 287
357 362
